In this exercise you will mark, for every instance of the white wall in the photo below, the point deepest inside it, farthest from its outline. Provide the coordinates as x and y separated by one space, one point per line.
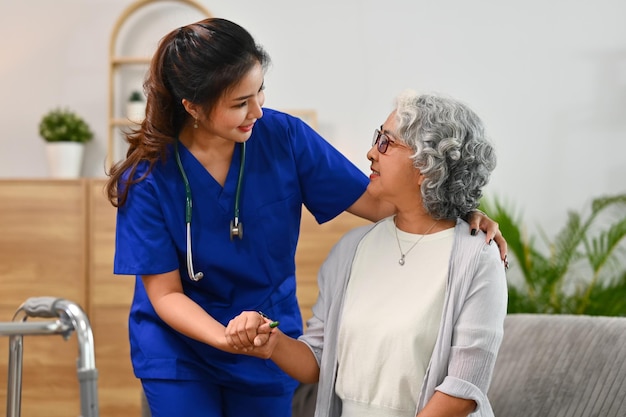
547 76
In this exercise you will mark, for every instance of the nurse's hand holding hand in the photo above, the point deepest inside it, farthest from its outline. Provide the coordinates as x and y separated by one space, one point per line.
250 332
253 334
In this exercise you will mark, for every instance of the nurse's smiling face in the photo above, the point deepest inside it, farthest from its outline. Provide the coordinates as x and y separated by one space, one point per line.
238 109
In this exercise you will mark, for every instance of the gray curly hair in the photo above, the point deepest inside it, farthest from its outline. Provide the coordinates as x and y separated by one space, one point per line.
451 151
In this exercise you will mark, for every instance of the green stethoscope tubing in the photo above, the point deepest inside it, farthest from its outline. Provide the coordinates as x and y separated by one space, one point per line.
236 228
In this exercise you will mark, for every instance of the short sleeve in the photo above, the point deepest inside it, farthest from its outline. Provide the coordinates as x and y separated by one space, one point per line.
143 244
330 182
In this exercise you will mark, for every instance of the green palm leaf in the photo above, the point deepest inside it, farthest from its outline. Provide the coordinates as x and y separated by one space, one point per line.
580 271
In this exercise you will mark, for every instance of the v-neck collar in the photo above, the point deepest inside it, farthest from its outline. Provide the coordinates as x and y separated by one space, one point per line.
200 177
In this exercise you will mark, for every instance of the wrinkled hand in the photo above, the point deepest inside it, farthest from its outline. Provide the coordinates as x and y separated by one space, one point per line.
249 333
480 221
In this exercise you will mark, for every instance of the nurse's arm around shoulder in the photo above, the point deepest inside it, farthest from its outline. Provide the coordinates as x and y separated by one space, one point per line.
182 313
371 208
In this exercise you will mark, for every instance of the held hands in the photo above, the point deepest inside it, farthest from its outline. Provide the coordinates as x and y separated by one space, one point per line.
252 333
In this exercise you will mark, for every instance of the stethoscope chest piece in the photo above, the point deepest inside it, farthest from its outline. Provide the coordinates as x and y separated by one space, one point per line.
236 229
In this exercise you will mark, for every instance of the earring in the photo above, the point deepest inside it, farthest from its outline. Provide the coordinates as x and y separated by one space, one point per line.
195 124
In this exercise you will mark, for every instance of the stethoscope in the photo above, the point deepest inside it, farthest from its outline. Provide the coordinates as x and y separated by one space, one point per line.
236 227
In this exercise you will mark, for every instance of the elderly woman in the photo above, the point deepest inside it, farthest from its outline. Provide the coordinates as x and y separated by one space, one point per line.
410 313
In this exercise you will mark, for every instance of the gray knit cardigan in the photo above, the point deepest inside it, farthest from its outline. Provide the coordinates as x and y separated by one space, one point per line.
469 335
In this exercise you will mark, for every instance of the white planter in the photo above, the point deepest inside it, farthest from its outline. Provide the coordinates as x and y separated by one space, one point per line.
136 111
65 159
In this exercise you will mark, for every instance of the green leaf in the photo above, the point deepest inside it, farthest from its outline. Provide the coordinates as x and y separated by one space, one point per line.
62 125
575 271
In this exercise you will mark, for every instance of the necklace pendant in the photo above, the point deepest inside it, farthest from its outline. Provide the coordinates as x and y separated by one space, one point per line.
401 261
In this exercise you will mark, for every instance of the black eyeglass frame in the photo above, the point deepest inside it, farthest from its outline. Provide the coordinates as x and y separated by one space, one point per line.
382 141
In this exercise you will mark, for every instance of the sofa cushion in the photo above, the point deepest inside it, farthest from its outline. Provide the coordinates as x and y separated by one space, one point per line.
304 401
560 365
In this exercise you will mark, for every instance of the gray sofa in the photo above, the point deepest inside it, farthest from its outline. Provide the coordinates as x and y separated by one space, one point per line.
549 366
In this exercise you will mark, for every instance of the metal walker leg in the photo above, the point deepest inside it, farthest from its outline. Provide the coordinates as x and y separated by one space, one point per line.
68 317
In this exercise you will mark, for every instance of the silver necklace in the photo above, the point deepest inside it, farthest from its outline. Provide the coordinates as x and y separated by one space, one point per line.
403 255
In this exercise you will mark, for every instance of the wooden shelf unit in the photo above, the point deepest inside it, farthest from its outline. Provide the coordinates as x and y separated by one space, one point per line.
117 61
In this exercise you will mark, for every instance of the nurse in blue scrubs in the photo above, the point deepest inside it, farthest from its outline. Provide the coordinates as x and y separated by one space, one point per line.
209 202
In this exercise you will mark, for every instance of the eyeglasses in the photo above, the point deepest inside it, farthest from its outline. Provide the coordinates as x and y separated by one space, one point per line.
382 140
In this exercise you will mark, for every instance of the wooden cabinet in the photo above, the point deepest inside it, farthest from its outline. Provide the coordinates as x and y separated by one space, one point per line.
109 298
43 253
57 238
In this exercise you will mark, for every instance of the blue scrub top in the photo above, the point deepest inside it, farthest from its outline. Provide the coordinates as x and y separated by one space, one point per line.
287 164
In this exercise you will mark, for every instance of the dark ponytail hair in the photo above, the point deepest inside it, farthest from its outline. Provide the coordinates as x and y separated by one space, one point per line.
198 62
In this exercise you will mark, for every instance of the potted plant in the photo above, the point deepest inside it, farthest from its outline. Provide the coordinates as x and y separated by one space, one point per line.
136 107
65 134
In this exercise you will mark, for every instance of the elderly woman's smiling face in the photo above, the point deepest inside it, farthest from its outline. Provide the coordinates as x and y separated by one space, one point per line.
393 177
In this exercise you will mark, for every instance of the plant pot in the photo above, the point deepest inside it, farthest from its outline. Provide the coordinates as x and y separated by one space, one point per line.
65 159
136 111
